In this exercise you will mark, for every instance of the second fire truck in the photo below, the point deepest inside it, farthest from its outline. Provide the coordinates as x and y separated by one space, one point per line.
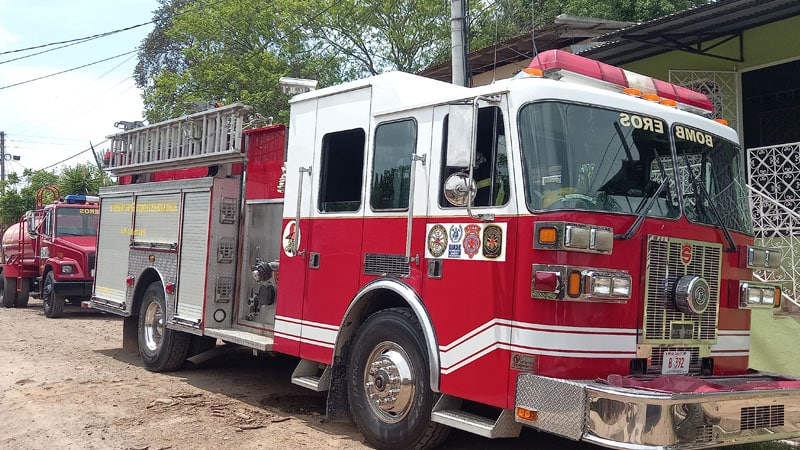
570 250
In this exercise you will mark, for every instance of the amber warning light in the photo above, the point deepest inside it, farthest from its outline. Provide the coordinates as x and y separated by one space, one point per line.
650 88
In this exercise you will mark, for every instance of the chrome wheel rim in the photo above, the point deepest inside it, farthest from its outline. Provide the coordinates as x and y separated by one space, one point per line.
153 327
389 382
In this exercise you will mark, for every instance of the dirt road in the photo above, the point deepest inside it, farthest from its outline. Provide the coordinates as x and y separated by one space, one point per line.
68 384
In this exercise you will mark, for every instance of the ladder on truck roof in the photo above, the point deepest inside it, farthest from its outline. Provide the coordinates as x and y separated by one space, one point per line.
201 139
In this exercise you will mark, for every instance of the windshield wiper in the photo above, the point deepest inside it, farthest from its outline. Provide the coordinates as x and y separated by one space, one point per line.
644 208
643 212
701 188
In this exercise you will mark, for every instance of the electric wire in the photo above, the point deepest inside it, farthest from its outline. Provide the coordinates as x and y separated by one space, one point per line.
77 40
68 70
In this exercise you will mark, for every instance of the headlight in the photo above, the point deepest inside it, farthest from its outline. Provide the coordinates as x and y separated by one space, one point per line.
67 268
755 295
763 258
615 285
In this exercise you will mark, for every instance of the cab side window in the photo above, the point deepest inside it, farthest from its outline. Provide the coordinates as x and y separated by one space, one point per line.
391 169
341 171
490 170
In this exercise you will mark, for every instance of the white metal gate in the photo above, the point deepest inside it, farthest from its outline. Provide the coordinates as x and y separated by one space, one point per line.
720 87
774 174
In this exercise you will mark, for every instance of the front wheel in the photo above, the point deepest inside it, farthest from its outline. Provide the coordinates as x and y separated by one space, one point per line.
8 290
53 303
389 383
161 348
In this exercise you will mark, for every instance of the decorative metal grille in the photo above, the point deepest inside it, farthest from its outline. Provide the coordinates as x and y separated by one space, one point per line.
720 87
664 268
774 174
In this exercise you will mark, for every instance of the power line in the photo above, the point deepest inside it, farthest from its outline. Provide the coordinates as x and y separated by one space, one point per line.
78 40
68 70
73 156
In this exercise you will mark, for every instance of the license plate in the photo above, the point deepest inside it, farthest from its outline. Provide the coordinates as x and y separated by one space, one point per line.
675 362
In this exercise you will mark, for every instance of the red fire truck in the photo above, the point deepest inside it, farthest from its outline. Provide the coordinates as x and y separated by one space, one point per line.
50 253
569 250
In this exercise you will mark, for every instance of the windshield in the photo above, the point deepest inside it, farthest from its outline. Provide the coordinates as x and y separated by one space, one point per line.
77 222
716 170
588 158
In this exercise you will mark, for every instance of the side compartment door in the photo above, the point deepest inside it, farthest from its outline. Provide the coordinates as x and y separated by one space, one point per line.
113 248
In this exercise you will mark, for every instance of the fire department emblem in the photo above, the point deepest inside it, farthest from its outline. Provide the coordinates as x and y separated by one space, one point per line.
492 241
472 239
291 239
437 241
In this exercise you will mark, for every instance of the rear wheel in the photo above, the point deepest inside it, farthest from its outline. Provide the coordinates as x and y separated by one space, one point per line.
53 303
8 291
161 348
389 383
24 293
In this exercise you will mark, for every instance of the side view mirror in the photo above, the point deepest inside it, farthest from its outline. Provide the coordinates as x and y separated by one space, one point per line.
459 189
30 224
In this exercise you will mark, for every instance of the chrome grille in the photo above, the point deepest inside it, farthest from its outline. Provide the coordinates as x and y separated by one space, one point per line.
382 264
663 321
754 417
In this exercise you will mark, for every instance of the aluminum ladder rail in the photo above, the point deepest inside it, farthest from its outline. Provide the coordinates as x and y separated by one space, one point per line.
201 139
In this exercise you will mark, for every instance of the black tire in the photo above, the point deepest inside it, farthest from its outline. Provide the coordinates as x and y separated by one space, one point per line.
161 348
53 304
392 341
8 291
24 294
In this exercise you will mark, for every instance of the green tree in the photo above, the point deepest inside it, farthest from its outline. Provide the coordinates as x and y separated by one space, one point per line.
228 51
495 21
16 200
82 179
236 50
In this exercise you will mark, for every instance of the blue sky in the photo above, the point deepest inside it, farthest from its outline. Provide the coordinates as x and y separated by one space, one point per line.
49 120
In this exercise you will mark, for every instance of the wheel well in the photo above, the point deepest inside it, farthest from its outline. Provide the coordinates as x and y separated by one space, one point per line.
145 279
376 296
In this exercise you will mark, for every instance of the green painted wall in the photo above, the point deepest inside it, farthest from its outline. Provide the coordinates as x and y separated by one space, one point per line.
767 44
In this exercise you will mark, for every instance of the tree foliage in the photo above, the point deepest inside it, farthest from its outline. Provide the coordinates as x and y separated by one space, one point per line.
17 198
236 50
494 21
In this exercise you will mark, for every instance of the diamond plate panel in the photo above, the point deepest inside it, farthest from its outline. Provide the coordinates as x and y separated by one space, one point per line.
561 405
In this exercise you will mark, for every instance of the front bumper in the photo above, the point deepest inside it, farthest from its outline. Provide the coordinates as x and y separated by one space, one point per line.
73 288
633 418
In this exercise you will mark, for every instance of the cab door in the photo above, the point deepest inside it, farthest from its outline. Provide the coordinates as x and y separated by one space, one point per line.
469 252
332 231
397 197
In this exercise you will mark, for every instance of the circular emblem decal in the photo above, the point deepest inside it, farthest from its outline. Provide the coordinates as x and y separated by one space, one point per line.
686 254
290 239
472 240
437 241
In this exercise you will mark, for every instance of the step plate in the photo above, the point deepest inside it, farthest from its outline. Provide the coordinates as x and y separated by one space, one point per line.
245 338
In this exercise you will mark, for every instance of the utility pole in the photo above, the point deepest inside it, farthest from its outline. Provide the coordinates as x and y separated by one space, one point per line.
458 42
3 160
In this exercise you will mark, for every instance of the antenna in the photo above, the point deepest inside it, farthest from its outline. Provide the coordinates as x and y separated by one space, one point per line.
496 37
533 34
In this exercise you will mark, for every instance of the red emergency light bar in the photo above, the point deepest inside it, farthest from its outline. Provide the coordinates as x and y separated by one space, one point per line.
560 60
